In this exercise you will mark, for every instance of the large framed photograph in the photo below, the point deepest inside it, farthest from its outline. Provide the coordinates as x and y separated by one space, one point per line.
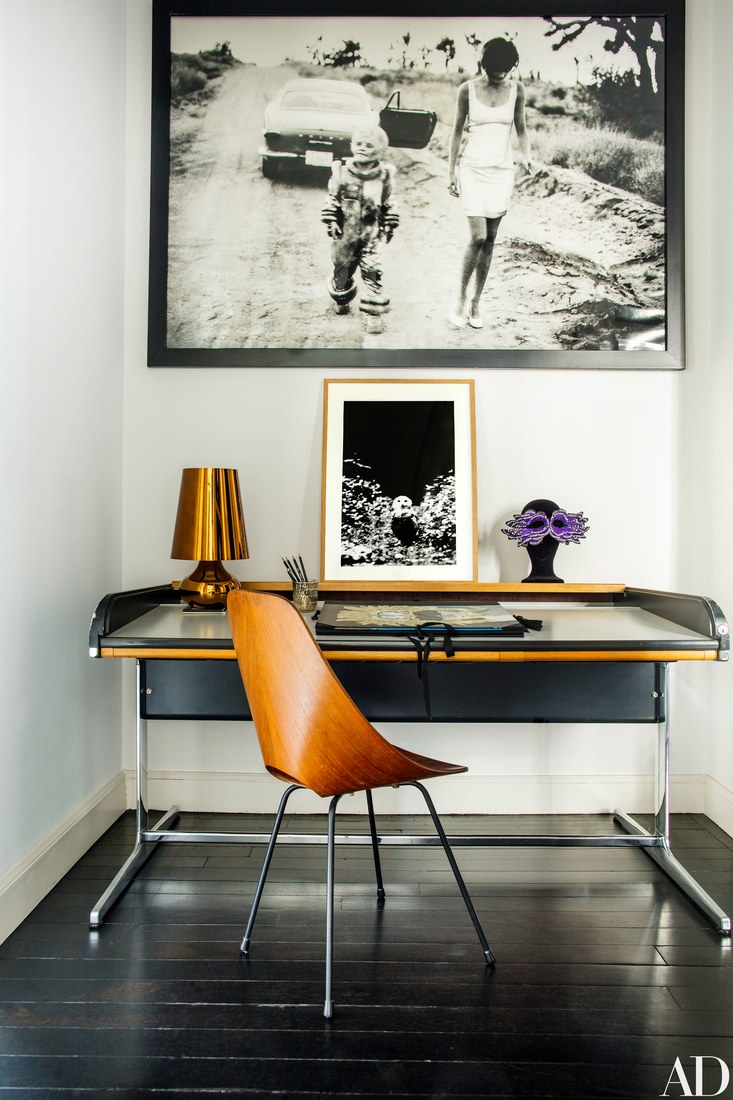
277 239
399 481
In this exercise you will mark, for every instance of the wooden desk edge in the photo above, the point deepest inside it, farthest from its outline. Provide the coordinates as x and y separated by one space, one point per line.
395 587
152 653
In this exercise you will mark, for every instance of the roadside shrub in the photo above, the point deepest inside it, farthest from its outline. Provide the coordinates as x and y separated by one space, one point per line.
190 72
185 79
550 108
615 99
611 157
553 99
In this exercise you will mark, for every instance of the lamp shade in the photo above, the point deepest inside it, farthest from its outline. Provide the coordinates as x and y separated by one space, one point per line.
210 517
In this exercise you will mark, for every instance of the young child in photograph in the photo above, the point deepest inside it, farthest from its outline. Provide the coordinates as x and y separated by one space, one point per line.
360 218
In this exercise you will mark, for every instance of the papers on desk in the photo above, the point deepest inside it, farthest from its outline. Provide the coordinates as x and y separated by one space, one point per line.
461 619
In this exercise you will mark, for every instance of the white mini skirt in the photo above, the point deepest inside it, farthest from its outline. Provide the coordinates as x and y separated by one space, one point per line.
485 192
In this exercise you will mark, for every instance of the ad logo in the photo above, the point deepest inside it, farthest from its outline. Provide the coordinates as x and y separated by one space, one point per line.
679 1082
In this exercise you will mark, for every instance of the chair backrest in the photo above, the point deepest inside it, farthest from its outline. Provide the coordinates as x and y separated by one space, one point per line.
309 729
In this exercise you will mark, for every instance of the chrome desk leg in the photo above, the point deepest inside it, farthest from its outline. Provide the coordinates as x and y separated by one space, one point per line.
661 851
143 848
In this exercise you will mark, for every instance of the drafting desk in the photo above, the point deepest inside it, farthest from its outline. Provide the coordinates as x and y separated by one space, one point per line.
602 656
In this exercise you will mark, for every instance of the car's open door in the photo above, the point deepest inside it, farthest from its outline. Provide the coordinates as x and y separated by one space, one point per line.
406 129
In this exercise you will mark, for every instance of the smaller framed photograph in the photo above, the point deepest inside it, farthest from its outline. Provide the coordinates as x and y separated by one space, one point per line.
399 481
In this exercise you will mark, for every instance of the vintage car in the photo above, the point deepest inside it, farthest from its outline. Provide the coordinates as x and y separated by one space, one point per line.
311 120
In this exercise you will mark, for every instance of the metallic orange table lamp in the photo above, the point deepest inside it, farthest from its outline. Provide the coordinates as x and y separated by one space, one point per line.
209 528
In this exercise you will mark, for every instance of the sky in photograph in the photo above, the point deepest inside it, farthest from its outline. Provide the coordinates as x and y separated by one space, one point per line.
268 41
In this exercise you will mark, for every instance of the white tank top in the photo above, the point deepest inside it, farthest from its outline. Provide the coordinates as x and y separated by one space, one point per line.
489 129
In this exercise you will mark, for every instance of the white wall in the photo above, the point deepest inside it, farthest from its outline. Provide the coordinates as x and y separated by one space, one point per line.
616 459
62 306
719 471
704 466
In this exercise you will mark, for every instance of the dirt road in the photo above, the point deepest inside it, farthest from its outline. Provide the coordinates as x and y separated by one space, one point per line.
248 257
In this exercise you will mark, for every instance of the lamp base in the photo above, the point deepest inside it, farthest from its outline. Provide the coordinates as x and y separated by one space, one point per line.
208 586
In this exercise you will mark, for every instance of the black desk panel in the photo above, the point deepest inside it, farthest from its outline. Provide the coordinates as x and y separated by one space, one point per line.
485 691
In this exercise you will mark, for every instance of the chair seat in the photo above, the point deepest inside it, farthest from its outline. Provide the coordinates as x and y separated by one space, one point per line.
428 764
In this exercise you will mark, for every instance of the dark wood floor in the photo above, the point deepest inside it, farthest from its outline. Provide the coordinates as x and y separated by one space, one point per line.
606 973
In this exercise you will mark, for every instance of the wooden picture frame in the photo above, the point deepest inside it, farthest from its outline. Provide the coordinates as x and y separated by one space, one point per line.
586 274
399 481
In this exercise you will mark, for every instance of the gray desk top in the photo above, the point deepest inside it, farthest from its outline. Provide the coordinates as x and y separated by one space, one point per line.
565 626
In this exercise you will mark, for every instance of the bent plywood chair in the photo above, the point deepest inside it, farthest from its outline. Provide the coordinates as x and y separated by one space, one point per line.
312 735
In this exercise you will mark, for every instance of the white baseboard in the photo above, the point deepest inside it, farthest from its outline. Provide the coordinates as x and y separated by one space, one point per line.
256 792
28 882
719 804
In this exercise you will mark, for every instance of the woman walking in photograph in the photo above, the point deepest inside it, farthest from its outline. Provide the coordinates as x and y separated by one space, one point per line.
489 108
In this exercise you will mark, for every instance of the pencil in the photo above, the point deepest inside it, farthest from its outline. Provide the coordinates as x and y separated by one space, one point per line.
290 570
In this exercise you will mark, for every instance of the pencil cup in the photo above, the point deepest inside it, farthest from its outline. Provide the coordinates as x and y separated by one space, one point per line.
305 595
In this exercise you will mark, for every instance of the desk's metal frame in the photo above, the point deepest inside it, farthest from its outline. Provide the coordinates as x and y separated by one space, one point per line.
655 841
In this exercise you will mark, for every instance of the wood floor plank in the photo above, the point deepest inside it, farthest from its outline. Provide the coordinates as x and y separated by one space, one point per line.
257 1043
327 1076
141 947
380 1019
452 967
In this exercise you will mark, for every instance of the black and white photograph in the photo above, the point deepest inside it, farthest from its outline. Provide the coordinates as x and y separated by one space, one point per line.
469 190
399 489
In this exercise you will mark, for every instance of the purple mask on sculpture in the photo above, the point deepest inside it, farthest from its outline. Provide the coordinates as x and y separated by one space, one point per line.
530 528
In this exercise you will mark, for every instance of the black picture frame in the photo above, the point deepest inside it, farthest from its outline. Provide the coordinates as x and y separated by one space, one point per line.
670 355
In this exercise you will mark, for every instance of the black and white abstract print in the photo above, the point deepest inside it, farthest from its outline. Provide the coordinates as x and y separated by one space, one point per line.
398 503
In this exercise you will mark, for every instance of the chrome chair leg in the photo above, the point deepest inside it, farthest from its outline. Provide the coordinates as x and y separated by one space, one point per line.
375 847
244 946
328 1001
488 953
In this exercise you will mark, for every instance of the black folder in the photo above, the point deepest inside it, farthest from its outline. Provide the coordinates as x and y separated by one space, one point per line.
402 618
